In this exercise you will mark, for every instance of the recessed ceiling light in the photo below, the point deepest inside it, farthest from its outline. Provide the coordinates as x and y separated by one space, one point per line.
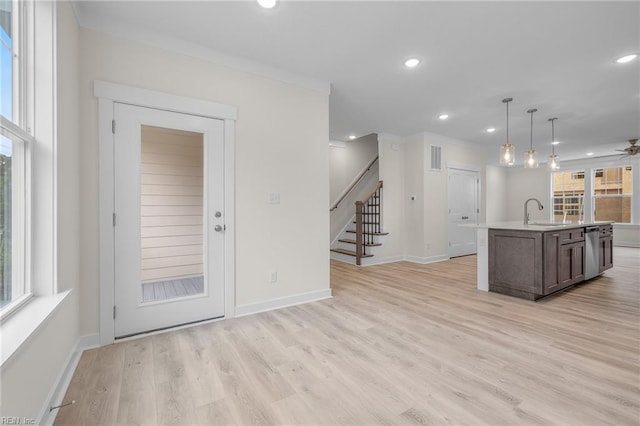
352 137
268 4
590 154
555 142
491 129
626 58
412 62
443 116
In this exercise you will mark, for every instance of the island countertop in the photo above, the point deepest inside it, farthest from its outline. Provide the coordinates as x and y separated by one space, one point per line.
536 225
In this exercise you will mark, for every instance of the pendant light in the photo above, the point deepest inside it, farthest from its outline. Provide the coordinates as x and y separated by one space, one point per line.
553 163
530 158
508 150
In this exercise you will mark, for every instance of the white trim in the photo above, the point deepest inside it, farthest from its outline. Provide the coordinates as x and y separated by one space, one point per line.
282 302
426 260
158 100
59 389
631 244
108 94
106 208
230 219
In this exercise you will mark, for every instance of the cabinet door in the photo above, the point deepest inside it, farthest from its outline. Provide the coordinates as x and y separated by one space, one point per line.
565 260
577 267
605 247
551 262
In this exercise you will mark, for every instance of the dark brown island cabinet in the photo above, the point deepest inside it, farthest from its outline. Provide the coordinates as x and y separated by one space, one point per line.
531 264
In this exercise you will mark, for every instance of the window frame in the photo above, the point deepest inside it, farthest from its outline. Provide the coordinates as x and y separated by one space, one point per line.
595 197
33 132
589 169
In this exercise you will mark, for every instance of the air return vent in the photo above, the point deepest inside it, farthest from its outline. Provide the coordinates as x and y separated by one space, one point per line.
436 158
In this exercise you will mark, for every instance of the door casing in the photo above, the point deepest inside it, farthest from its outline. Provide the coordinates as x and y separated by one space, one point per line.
109 93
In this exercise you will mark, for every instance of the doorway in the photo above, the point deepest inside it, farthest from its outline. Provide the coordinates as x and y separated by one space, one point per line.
169 219
464 209
166 210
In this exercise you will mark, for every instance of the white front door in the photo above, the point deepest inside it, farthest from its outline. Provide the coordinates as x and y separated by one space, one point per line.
169 219
463 209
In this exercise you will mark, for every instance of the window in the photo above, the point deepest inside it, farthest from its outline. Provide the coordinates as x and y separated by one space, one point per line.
607 192
612 193
14 141
568 196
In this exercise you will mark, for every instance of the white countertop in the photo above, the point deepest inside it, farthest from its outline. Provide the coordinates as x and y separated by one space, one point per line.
535 225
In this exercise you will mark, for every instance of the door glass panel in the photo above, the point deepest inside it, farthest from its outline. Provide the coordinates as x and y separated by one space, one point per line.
171 214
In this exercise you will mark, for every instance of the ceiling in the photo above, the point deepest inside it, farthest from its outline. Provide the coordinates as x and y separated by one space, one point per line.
558 57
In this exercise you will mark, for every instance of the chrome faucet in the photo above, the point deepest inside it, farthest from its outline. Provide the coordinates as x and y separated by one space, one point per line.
526 213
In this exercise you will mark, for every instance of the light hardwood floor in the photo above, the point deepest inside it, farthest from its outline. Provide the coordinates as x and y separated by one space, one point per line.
398 344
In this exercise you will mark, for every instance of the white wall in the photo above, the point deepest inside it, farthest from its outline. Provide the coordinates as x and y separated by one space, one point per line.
391 151
418 228
495 192
415 181
29 377
523 184
281 146
345 163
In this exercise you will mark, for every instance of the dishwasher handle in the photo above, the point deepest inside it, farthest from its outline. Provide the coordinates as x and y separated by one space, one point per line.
592 229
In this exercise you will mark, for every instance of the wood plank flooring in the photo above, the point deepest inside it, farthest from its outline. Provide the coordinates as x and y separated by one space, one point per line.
397 344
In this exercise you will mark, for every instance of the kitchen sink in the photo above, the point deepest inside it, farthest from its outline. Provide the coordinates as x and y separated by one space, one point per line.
549 223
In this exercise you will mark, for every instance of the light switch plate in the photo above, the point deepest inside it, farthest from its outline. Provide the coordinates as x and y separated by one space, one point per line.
274 198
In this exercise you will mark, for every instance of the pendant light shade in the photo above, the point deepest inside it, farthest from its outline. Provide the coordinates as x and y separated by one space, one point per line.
507 150
553 163
530 157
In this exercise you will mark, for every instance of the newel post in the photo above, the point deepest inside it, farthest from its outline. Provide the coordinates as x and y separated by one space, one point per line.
359 208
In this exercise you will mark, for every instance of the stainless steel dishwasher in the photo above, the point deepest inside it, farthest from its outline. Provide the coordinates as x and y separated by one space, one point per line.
592 252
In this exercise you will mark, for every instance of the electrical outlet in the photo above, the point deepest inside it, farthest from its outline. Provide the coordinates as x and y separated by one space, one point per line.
273 277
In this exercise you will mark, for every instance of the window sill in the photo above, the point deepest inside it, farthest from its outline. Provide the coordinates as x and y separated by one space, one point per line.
21 325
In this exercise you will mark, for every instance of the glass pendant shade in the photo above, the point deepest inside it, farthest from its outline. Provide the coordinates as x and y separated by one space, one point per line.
507 150
507 154
530 159
553 163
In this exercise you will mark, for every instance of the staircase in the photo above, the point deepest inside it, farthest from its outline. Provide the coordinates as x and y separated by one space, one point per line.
366 229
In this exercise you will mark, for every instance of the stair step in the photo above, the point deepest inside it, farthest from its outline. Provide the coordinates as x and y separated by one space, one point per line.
368 233
364 244
350 253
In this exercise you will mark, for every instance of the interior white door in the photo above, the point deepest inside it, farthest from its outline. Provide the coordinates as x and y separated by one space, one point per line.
463 209
168 219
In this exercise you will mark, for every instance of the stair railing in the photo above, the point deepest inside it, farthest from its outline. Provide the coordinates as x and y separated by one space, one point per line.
355 183
368 219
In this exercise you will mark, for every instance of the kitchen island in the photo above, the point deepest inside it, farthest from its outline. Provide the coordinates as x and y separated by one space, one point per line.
538 259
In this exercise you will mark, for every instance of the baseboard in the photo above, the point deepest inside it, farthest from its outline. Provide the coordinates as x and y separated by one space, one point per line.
57 393
427 260
282 302
631 244
372 261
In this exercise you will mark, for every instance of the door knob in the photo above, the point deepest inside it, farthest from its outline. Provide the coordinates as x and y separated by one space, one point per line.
218 228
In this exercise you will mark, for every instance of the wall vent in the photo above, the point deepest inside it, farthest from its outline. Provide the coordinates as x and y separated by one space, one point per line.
436 158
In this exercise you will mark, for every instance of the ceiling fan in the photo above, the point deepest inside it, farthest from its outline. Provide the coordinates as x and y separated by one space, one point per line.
631 150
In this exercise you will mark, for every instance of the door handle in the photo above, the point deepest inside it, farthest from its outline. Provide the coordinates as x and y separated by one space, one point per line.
465 217
218 228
